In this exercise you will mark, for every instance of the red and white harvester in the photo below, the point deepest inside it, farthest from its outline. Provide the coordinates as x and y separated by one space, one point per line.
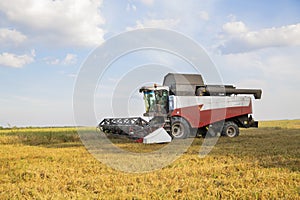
184 106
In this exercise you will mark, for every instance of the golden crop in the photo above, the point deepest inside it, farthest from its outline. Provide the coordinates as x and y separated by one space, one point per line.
51 163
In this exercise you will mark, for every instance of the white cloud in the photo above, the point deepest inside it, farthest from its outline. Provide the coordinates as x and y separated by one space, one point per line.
204 15
276 63
239 39
50 61
235 27
130 7
13 36
16 61
72 75
69 59
72 22
155 23
133 7
231 17
147 2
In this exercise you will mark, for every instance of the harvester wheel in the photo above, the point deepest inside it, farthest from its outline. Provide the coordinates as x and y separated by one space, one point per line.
180 128
230 129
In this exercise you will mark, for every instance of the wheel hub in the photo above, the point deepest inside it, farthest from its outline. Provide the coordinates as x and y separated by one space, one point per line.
177 130
230 131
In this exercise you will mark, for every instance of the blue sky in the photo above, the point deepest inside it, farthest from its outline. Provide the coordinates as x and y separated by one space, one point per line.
254 44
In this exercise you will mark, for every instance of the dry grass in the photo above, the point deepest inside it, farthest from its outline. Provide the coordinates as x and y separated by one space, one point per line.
261 163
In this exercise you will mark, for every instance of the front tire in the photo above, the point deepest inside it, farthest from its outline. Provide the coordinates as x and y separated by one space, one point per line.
180 128
230 129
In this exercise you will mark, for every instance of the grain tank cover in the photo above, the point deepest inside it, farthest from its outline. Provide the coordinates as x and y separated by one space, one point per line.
183 84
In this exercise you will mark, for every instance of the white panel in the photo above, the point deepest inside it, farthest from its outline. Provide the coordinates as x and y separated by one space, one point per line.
211 102
158 136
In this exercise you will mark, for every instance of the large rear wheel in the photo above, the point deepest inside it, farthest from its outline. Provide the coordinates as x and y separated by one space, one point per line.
180 128
230 129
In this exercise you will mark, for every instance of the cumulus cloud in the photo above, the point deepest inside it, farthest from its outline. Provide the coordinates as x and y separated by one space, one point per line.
234 27
72 22
237 37
16 61
69 59
13 36
155 23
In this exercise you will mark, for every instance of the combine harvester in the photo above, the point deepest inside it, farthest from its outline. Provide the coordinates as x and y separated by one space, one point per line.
184 106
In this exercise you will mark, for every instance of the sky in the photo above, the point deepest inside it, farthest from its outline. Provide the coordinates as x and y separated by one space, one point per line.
44 43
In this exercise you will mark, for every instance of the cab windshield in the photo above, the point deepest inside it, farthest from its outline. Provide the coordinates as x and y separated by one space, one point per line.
156 101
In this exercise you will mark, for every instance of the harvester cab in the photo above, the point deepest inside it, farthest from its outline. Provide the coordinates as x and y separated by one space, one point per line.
156 100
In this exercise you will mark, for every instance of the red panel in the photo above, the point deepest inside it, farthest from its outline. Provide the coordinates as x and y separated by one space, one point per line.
198 118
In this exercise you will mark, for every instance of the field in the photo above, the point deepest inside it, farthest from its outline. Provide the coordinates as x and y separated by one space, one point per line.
52 163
